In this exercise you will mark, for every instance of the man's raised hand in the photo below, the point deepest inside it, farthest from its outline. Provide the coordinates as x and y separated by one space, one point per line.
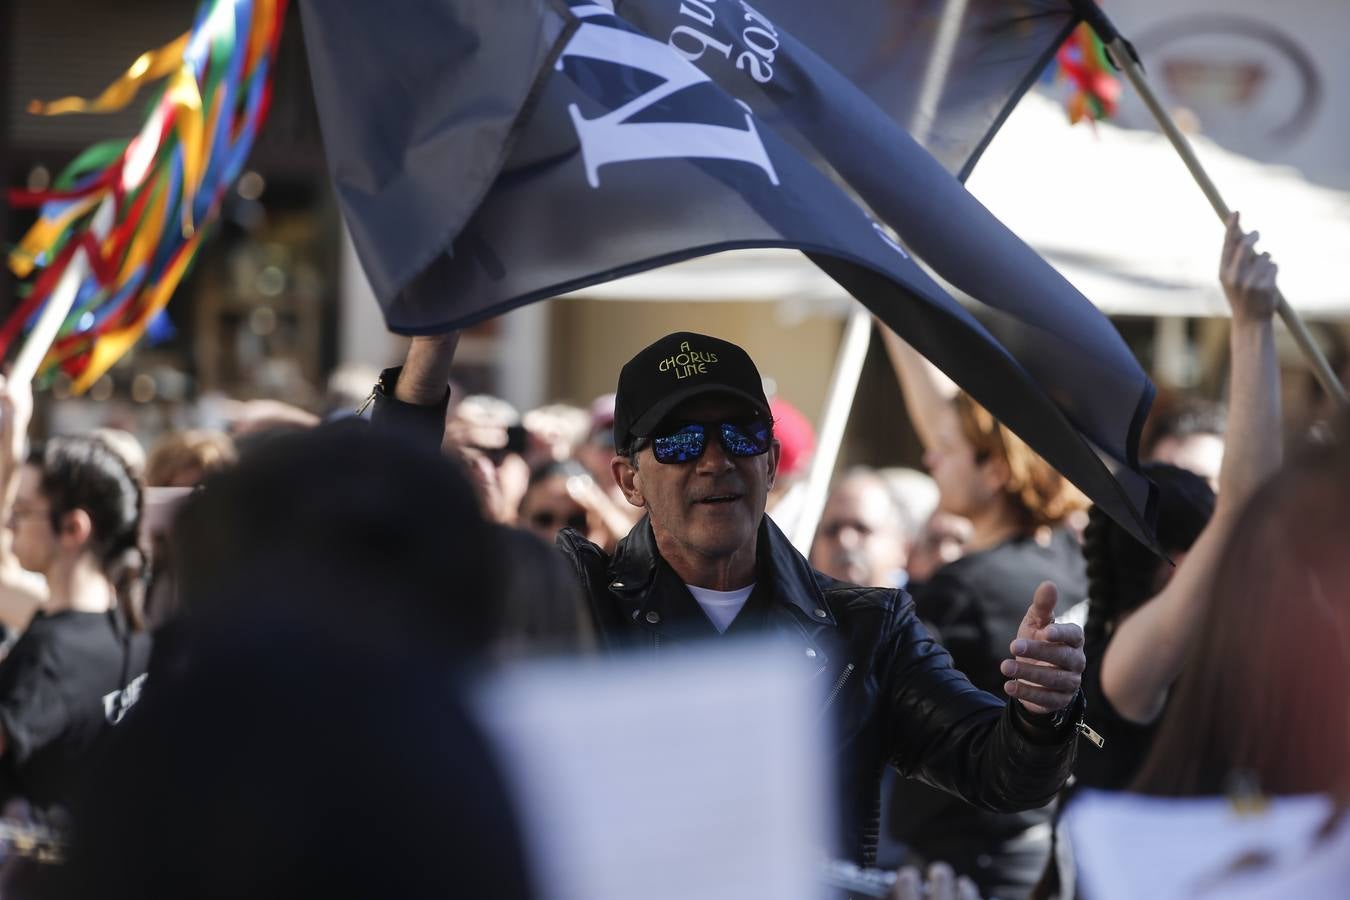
1048 661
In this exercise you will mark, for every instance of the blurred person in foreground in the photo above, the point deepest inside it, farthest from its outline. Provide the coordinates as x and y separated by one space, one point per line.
696 450
1019 508
1262 688
75 507
864 533
305 707
1260 708
295 753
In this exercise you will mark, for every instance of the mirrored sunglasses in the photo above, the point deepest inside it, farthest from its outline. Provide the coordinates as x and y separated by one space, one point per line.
689 441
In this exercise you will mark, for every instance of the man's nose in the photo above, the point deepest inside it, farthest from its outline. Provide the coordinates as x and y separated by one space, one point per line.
715 458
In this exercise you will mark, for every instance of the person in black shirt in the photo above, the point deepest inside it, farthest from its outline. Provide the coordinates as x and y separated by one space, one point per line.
75 508
1018 507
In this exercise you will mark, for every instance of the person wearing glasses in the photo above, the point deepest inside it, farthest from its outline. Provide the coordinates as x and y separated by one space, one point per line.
75 508
695 450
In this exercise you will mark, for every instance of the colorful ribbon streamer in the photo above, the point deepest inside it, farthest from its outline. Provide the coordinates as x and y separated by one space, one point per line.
166 185
1082 60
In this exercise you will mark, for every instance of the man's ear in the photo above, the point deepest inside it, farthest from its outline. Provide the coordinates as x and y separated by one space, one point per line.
775 452
628 479
76 528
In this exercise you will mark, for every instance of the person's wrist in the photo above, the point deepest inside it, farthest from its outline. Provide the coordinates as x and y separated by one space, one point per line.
1046 727
1251 321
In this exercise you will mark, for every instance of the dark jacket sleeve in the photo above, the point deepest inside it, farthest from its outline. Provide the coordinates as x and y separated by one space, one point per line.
424 425
943 730
588 563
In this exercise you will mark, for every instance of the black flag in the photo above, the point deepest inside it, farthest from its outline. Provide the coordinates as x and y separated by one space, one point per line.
418 101
639 151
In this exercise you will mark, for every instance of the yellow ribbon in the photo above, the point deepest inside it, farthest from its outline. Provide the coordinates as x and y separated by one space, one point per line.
149 66
111 347
184 95
146 238
23 258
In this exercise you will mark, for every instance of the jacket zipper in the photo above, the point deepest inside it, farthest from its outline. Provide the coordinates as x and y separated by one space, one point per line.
1086 731
838 686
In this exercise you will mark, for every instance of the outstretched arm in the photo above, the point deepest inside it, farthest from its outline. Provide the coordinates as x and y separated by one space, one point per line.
1146 653
927 392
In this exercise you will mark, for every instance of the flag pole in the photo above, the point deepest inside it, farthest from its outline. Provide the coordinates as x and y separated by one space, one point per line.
54 313
857 338
1125 58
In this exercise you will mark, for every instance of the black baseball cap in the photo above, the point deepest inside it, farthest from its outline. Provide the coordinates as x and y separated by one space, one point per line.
674 369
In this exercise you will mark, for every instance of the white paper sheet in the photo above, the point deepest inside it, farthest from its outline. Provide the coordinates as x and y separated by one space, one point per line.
1128 847
692 776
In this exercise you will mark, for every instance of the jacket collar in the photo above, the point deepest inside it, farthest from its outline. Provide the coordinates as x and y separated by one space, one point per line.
637 568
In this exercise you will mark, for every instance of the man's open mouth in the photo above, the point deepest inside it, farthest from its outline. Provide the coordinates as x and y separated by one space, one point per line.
720 498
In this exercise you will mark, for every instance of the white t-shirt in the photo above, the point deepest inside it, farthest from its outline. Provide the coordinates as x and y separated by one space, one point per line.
721 606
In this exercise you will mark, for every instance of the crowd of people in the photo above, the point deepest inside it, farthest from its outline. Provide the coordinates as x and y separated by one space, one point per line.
226 656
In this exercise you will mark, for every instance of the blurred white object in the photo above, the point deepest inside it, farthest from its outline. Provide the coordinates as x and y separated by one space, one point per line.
1118 215
699 774
1128 846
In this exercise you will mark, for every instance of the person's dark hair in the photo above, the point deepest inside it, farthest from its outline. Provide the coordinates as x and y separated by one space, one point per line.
86 473
1123 573
1262 693
396 524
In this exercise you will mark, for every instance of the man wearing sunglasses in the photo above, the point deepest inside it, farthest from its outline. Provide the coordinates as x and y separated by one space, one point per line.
695 450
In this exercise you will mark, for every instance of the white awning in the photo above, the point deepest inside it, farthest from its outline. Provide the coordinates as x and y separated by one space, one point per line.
1114 210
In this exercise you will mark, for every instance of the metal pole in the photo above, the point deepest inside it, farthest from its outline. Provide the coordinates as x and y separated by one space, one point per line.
858 332
1124 57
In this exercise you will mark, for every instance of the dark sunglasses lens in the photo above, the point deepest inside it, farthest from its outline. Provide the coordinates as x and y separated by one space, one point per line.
745 439
680 446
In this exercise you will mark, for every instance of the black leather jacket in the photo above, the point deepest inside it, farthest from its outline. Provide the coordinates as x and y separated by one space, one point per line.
894 696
